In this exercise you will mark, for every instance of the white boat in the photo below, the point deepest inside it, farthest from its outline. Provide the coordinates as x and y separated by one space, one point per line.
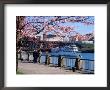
72 48
66 50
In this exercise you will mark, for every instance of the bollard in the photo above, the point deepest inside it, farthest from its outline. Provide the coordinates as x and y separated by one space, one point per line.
39 55
62 62
31 57
59 61
81 64
77 63
48 60
39 58
28 56
21 56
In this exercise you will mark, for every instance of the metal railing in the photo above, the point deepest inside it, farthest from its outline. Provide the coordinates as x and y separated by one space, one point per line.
64 61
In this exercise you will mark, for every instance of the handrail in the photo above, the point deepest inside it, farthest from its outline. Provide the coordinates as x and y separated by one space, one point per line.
68 59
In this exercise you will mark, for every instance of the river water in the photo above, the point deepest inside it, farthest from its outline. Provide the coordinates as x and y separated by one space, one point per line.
87 55
87 64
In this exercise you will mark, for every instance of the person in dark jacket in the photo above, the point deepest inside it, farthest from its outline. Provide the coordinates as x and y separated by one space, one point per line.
35 55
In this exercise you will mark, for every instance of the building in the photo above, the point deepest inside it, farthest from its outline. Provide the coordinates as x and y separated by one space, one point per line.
88 42
52 38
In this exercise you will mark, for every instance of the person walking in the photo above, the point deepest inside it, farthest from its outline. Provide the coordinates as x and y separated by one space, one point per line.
35 55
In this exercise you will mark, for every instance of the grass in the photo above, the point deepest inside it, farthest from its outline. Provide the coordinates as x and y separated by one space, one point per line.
19 72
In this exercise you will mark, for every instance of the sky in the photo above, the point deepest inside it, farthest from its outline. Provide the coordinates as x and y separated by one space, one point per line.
79 27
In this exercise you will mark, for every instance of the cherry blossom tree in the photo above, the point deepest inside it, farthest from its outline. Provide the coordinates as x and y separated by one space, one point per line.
33 25
37 24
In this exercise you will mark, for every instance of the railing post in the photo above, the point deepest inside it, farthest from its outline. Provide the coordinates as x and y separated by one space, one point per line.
59 61
81 64
62 62
39 57
77 63
20 55
46 58
28 55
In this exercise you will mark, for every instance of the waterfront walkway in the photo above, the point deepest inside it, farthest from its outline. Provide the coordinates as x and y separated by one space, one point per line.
31 68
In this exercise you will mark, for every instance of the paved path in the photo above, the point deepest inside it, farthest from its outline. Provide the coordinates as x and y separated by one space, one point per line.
31 68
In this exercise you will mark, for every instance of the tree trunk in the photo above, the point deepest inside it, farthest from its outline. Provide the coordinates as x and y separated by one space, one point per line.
16 60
